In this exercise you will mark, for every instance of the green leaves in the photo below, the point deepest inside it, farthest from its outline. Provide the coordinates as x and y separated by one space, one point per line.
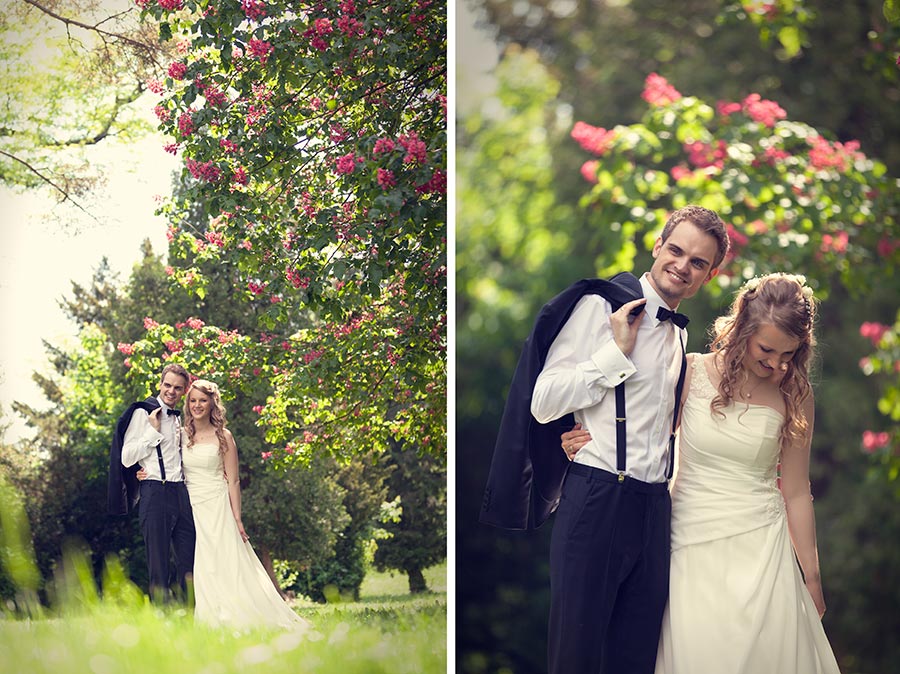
796 200
321 182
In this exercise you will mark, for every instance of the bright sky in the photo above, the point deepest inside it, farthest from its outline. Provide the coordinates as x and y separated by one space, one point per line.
41 255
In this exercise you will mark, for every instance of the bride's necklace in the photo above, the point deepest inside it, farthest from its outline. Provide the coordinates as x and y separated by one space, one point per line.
749 393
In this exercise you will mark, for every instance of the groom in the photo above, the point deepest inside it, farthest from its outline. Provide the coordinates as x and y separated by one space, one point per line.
164 509
609 559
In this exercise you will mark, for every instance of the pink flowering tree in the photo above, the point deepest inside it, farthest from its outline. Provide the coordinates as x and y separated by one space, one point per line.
884 363
314 146
793 198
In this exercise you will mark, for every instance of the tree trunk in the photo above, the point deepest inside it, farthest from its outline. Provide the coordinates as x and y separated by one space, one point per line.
416 581
266 558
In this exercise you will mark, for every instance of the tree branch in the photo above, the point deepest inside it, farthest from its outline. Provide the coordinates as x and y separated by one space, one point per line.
49 181
121 101
95 28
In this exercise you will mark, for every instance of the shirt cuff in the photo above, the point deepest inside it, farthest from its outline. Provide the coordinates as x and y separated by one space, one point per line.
612 364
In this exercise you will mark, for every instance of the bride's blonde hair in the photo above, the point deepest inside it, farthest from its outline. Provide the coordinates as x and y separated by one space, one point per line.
216 412
787 303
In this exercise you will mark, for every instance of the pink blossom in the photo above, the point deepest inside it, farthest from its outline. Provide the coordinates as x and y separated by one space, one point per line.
216 239
703 155
266 455
256 288
177 70
323 26
240 176
768 9
155 86
296 279
415 148
170 270
680 171
837 243
257 408
886 246
171 5
318 43
763 111
825 155
254 114
437 184
171 148
346 164
186 123
260 49
214 96
125 348
772 156
162 114
194 323
207 171
873 331
738 240
149 323
658 91
350 26
725 108
228 145
383 145
594 139
589 170
758 227
253 9
142 3
175 345
872 441
246 244
386 179
338 133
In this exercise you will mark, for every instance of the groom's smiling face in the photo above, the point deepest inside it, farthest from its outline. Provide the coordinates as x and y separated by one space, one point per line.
171 389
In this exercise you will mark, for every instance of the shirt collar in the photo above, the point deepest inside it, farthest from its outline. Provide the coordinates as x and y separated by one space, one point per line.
654 301
165 407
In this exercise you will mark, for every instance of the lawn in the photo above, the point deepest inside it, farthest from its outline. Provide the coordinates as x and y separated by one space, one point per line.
387 630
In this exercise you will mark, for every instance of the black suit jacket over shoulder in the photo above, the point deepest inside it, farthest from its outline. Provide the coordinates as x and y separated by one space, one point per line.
123 487
528 466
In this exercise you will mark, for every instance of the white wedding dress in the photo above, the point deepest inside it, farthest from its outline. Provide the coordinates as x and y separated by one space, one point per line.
737 601
231 587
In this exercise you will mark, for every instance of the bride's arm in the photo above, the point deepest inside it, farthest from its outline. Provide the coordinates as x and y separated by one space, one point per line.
800 514
234 481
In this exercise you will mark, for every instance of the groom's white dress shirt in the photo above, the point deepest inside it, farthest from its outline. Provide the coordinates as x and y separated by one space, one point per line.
583 367
141 439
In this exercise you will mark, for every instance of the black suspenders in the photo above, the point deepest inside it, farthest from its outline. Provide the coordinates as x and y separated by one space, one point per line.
162 467
620 420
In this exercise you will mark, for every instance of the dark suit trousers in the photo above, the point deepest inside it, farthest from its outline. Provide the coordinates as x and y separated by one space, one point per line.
167 523
609 574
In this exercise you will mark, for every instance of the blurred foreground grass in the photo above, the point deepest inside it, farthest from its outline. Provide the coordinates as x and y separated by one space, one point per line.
117 631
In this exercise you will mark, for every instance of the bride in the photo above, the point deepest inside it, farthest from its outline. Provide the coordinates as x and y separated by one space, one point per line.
231 586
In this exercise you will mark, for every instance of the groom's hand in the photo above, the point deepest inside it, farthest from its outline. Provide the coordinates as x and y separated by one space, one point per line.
154 418
625 323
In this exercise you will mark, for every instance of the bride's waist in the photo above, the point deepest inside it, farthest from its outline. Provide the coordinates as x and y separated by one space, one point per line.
206 488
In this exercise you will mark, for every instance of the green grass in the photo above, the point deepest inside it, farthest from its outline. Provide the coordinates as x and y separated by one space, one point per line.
387 630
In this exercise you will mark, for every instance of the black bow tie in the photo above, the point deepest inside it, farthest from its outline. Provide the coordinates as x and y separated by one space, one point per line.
175 412
663 314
